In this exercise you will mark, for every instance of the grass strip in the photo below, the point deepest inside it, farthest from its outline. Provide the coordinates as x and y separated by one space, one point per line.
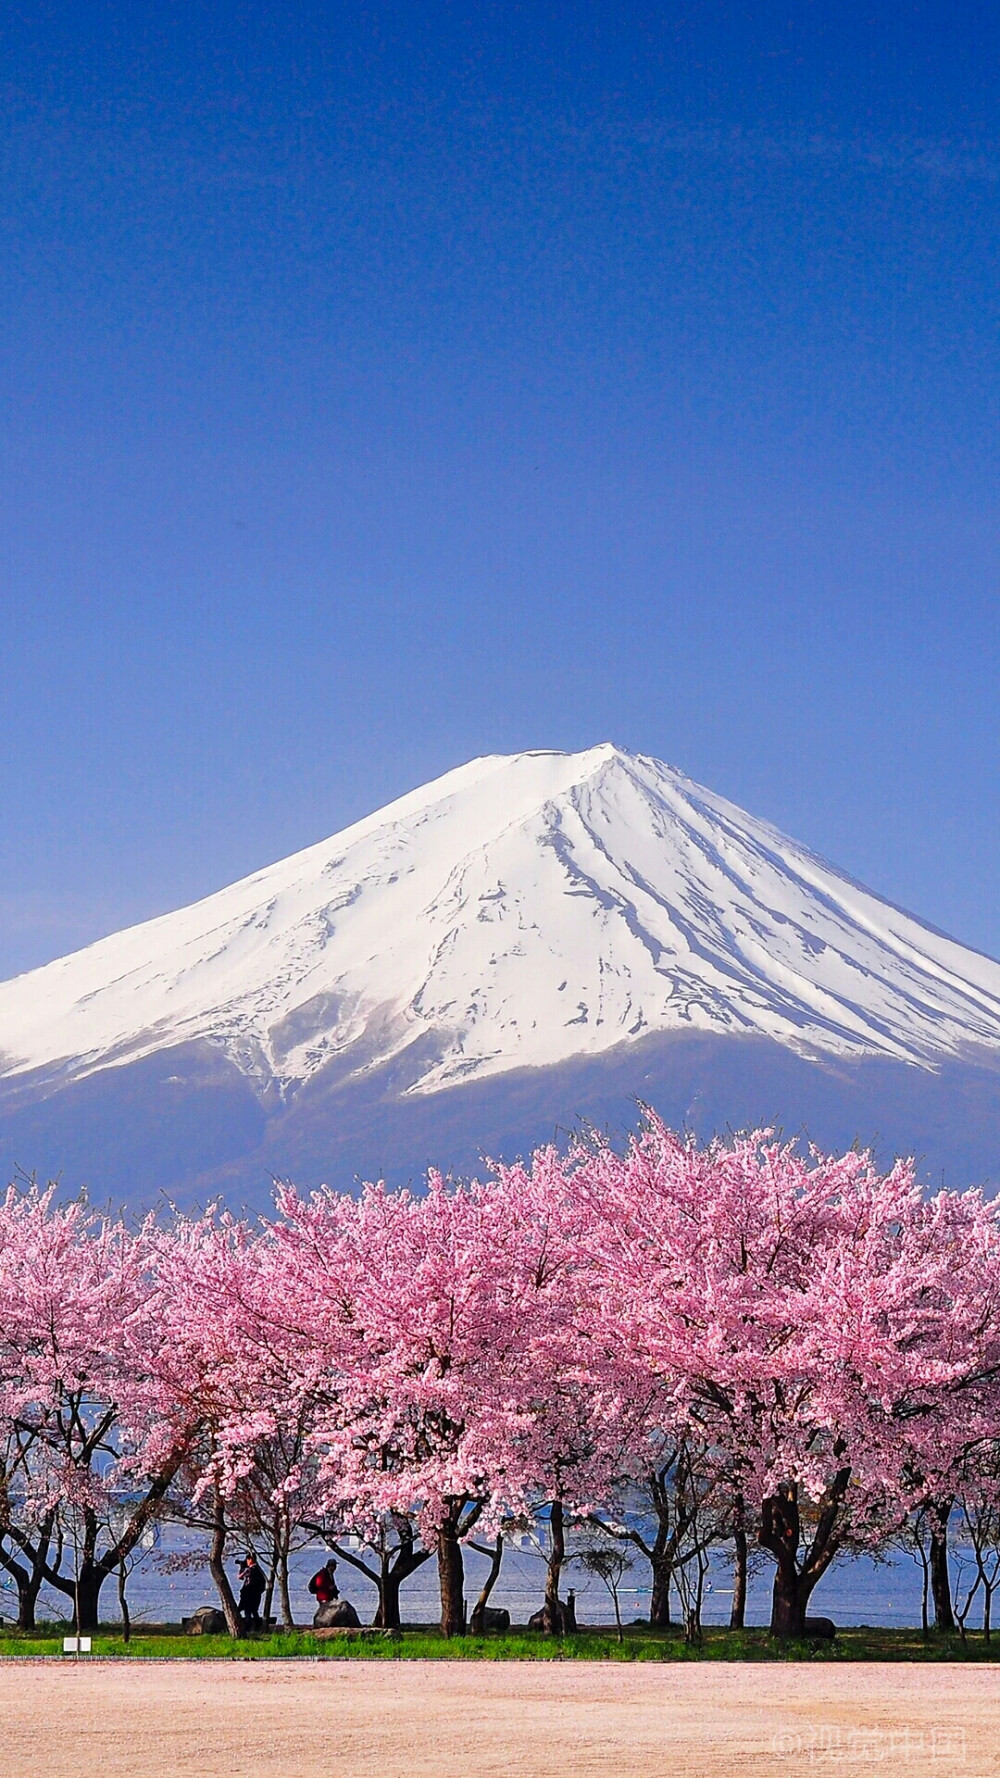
165 1642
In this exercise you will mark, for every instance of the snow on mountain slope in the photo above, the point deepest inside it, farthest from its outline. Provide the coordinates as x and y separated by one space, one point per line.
517 912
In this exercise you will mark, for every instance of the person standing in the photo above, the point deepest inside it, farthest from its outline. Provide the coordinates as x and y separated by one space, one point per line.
323 1585
252 1584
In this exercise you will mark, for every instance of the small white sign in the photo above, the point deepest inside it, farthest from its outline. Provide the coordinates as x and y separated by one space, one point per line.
76 1645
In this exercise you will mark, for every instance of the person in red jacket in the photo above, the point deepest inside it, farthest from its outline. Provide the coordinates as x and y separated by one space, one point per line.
324 1584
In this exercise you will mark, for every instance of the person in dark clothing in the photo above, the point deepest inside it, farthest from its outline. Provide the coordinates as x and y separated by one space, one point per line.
252 1585
324 1585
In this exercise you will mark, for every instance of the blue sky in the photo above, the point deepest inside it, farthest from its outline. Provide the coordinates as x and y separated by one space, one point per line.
384 386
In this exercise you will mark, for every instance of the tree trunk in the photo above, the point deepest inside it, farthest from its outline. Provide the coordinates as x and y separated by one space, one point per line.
27 1600
925 1582
552 1620
123 1604
737 1616
944 1616
387 1616
780 1530
672 1524
87 1595
659 1598
779 1533
29 1579
397 1566
287 1620
451 1577
234 1622
789 1601
479 1609
28 1582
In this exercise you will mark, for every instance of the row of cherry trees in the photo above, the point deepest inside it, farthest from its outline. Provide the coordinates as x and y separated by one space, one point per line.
670 1347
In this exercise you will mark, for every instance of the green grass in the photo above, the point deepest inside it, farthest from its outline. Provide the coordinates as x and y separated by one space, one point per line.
640 1644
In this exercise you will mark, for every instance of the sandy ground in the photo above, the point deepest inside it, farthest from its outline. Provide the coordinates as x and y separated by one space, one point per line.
444 1720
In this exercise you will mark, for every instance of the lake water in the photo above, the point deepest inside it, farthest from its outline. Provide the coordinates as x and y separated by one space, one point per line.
855 1591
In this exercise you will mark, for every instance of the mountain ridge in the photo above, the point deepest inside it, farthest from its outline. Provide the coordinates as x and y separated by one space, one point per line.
685 896
532 918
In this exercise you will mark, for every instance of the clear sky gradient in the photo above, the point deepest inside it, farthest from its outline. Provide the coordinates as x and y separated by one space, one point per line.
382 386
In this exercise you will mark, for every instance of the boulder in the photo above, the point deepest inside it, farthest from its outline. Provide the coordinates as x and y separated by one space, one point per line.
492 1617
567 1617
337 1614
208 1620
821 1629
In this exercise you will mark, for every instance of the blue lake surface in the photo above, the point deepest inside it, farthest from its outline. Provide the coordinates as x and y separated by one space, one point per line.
855 1591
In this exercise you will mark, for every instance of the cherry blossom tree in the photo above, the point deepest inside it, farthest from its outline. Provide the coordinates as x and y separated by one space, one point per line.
767 1343
589 1400
91 1437
242 1378
801 1311
430 1313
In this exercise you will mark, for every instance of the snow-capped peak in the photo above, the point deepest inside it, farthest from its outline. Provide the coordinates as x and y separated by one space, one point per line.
517 912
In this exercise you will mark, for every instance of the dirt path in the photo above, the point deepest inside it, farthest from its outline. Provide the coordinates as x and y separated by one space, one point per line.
445 1720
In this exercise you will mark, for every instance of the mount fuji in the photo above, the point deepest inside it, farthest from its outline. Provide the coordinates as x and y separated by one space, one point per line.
526 941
